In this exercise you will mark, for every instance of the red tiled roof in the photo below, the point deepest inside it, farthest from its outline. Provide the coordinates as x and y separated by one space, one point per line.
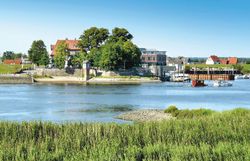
72 45
232 60
215 58
9 61
224 61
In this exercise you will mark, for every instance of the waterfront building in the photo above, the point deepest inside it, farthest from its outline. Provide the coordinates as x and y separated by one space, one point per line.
153 57
213 59
72 47
178 63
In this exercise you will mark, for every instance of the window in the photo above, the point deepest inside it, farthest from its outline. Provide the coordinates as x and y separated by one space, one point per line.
149 58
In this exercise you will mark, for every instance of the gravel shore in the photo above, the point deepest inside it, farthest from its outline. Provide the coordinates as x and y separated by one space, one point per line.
145 116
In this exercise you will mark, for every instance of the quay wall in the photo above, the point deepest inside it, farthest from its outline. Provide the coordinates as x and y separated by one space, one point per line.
13 79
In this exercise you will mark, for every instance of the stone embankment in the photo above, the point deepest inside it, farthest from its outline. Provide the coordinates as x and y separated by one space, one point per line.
16 79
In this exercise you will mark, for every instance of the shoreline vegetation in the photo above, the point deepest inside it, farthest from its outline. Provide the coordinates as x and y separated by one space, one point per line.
194 135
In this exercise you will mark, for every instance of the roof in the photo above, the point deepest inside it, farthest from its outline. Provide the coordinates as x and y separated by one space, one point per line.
72 45
215 58
232 60
10 61
224 61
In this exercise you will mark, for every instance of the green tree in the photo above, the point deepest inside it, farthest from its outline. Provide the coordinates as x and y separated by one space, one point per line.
120 34
38 53
117 55
8 55
111 56
93 38
78 59
61 54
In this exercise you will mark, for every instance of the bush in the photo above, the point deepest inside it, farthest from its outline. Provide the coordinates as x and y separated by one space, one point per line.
171 109
182 114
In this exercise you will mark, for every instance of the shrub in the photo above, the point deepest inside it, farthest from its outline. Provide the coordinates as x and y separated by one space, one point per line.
171 109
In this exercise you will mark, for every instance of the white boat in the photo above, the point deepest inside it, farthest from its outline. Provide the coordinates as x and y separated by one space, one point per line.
239 77
245 77
179 77
222 83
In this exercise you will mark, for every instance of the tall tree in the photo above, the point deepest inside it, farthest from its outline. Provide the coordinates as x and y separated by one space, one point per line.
8 55
93 38
61 54
78 59
38 53
120 34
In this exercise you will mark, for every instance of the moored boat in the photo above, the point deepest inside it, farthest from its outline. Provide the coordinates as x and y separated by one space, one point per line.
198 83
222 83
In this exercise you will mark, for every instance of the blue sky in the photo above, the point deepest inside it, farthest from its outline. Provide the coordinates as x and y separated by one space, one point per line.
181 27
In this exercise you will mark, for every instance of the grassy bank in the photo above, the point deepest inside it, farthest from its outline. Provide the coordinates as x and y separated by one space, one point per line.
12 69
219 136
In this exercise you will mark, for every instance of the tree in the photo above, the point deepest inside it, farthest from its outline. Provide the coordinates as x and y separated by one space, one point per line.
111 56
119 55
120 34
38 53
8 55
78 59
61 54
93 38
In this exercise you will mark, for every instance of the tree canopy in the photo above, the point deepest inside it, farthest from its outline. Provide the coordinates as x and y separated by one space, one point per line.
110 51
93 38
61 54
11 55
38 53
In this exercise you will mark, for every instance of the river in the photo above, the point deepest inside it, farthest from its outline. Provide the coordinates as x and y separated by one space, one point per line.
101 103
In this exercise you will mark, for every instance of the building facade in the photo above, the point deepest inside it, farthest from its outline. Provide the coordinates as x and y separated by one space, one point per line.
153 57
72 47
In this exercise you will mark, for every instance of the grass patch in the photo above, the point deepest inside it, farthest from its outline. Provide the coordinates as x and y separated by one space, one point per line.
221 136
12 69
188 114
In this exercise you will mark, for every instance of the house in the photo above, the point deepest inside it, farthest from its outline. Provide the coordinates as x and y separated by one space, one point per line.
213 59
216 60
13 62
72 47
153 57
178 63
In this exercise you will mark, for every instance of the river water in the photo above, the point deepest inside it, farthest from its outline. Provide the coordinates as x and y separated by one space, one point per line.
101 103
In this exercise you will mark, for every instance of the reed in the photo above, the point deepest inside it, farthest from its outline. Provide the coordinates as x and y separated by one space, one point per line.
220 136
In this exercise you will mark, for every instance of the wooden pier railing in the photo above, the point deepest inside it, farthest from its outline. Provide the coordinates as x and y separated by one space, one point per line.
211 77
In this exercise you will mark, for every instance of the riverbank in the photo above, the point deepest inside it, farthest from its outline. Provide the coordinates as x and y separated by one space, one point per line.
97 80
15 79
221 136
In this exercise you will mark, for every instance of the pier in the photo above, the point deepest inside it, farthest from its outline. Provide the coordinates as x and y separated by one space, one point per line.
212 77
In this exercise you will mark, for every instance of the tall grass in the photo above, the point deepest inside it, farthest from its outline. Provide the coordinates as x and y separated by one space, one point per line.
221 136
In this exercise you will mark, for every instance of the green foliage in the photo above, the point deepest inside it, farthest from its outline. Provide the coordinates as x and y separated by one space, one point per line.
110 52
224 136
246 69
38 53
93 38
120 34
119 55
11 55
61 54
78 59
12 69
188 114
171 109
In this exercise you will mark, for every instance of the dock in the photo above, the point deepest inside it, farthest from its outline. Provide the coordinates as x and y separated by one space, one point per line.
227 77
